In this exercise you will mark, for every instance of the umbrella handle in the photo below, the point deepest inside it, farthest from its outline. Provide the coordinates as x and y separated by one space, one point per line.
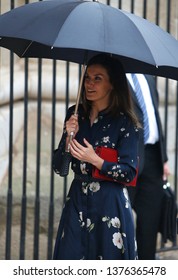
67 156
77 103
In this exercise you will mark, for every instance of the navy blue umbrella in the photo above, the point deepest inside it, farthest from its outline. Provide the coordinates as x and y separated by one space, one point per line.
75 30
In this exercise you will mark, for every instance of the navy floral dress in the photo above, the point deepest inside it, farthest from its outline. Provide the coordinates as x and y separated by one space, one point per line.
97 221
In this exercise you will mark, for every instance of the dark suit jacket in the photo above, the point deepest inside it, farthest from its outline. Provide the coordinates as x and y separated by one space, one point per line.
155 100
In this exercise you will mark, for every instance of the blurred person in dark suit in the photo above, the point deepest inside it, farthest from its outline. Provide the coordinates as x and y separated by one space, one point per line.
146 197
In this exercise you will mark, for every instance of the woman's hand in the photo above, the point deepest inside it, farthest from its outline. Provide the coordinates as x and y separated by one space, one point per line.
72 125
87 153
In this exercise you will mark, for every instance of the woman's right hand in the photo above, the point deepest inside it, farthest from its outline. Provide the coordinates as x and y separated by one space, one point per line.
72 126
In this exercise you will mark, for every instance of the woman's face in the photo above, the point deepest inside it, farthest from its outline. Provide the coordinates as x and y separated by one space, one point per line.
97 84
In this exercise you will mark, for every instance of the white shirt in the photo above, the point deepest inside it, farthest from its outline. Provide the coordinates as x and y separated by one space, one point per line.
153 128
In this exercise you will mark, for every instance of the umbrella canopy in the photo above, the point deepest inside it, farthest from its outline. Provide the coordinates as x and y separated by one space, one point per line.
75 30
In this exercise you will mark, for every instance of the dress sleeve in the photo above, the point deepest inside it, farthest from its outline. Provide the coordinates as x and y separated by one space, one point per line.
125 169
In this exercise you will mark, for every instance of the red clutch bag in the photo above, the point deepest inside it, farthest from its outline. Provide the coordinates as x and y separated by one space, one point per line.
110 155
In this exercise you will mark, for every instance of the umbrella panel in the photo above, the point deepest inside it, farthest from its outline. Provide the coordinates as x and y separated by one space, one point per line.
73 30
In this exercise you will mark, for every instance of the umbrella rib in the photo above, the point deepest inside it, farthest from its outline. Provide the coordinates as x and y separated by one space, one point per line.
29 45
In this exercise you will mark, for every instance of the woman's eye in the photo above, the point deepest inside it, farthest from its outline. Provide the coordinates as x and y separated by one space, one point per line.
97 78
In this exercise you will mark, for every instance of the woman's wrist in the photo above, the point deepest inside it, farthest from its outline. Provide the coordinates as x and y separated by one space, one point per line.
98 162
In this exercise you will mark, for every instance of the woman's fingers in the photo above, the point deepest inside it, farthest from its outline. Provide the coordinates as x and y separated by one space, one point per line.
76 147
81 152
87 143
72 125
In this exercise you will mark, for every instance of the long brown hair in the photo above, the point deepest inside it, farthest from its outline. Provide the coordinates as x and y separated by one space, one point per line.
120 96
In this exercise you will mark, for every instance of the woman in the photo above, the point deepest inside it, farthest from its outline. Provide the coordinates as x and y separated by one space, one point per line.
97 220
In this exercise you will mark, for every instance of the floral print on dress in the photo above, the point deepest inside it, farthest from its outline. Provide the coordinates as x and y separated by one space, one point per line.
117 240
83 167
89 225
117 237
93 187
81 221
106 139
106 127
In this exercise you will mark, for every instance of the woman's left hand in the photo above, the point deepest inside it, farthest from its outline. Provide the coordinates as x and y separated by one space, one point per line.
87 153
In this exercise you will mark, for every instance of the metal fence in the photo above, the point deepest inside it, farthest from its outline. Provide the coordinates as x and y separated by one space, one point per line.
31 196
